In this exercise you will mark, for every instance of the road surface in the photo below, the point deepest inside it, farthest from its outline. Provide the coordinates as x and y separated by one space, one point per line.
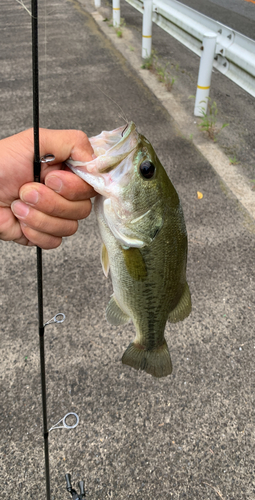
237 14
189 436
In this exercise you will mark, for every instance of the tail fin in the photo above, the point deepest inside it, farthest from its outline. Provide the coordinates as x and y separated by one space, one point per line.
156 361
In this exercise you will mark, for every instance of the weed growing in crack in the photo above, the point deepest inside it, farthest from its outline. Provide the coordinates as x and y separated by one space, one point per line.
160 70
149 62
209 119
118 29
233 161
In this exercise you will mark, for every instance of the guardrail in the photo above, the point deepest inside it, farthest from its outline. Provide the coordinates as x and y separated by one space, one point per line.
234 53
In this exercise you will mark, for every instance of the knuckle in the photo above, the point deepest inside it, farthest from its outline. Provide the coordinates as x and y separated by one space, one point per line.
54 209
42 240
81 138
39 225
81 147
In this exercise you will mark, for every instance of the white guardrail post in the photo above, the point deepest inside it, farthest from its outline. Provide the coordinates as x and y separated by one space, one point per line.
147 29
205 73
97 4
116 13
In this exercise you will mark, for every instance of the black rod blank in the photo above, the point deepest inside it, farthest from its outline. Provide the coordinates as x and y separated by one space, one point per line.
37 173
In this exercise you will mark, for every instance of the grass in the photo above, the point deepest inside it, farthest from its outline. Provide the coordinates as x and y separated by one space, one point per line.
233 161
118 29
149 62
209 120
160 70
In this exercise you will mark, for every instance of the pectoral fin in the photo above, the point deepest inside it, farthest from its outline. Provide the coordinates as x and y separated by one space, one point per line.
135 263
104 260
115 315
183 308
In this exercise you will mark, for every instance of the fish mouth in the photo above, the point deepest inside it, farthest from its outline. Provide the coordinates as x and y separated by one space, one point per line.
114 139
111 166
111 148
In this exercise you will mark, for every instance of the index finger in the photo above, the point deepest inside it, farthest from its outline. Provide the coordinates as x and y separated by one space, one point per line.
69 185
64 144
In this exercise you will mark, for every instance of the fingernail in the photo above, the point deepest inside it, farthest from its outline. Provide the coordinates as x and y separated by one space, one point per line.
20 209
30 196
54 183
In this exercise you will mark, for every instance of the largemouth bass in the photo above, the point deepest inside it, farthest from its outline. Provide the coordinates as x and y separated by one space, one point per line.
144 242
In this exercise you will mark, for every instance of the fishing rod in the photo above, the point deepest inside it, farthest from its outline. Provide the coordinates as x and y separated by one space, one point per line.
58 318
37 174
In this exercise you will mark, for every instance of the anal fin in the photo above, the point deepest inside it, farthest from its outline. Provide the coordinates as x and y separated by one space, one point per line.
115 315
183 308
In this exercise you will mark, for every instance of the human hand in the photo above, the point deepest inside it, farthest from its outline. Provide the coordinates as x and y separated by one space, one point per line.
33 213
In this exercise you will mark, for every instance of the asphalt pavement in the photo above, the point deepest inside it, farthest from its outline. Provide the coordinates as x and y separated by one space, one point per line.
237 14
187 436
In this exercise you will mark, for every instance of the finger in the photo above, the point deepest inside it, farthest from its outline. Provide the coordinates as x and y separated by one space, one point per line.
43 223
42 240
47 201
69 185
64 144
9 226
23 241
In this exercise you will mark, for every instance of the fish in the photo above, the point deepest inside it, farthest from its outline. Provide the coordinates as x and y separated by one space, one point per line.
144 242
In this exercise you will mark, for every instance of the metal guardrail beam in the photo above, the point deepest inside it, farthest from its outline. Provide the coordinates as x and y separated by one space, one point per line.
235 53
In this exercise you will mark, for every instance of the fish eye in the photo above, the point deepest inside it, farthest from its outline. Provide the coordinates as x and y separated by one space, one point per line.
147 169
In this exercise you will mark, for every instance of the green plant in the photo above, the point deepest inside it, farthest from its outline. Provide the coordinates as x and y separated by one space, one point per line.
169 83
118 29
160 74
209 119
149 62
160 70
233 160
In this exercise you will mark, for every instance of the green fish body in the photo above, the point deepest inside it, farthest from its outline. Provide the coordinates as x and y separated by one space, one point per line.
144 242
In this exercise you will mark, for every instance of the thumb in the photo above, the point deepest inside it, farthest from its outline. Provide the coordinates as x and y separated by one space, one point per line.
64 144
